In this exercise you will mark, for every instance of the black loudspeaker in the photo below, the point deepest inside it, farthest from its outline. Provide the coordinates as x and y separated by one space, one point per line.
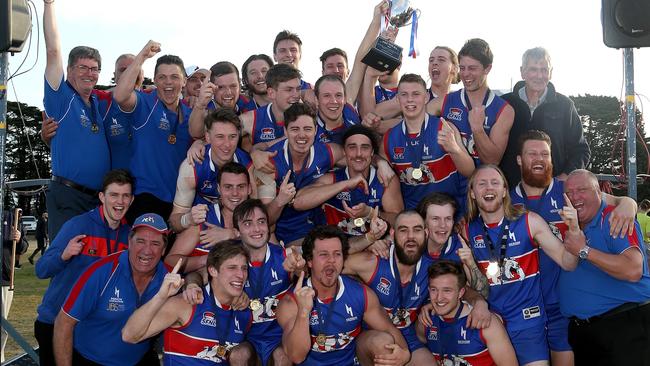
15 24
626 23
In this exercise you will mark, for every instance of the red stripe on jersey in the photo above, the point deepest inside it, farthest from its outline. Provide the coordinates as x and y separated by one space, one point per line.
178 342
333 215
528 262
95 246
81 282
440 169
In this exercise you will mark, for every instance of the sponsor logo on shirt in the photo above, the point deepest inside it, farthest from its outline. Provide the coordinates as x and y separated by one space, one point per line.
384 286
455 114
115 303
208 319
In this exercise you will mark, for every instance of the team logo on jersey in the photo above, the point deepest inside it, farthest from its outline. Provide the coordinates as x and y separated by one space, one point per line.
313 317
276 279
432 335
373 193
85 121
455 114
513 240
463 334
425 150
553 202
115 303
237 329
206 185
268 133
324 137
351 317
344 196
209 319
164 122
384 286
398 153
512 271
479 242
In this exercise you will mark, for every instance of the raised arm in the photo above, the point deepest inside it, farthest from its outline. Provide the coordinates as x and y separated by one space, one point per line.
551 245
293 317
54 65
124 92
490 148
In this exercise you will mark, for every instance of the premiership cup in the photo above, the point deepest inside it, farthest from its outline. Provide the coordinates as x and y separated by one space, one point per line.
385 55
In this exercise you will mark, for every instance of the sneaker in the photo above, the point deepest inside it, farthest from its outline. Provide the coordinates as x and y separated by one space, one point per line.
18 266
31 260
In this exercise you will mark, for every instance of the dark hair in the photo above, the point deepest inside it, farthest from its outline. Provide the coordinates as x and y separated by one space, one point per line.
438 199
333 52
283 35
223 68
225 250
222 115
645 205
245 209
536 135
479 50
281 73
362 130
170 60
296 110
251 58
119 176
165 236
234 168
412 78
320 233
443 267
334 78
80 52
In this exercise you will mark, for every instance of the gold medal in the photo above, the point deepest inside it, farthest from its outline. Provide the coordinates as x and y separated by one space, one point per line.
359 222
416 174
94 127
255 305
320 339
221 351
492 269
171 139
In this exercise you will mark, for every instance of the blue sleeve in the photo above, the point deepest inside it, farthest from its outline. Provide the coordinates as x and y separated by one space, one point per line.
54 101
140 112
85 293
617 245
51 263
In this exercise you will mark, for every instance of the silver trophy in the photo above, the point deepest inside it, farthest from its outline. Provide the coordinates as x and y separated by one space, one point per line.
385 55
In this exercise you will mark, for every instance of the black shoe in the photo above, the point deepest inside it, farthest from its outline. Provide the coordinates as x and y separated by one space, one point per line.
18 266
31 260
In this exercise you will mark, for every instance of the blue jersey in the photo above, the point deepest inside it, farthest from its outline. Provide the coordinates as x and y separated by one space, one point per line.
265 127
402 301
64 274
156 160
344 325
118 126
213 217
304 85
294 224
102 301
449 251
205 175
350 118
455 110
79 149
452 343
548 207
267 282
333 207
210 327
515 294
383 94
588 291
406 153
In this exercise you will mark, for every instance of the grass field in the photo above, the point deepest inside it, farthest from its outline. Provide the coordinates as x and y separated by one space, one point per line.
28 293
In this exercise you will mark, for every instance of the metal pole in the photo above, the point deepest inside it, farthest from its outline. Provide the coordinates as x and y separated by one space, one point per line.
628 55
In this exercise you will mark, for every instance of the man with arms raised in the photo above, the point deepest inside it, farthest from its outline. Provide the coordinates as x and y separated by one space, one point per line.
323 316
449 339
104 297
83 240
201 334
505 243
607 297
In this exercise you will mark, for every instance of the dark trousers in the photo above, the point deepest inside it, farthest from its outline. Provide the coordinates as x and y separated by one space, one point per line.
64 203
620 339
40 247
44 333
148 203
149 359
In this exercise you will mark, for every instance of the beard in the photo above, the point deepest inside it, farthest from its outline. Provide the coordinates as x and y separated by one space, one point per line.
407 259
537 180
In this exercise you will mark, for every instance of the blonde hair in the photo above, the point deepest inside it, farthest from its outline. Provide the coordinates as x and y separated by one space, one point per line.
511 213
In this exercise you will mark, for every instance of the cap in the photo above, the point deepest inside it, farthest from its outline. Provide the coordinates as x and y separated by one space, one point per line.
193 69
152 221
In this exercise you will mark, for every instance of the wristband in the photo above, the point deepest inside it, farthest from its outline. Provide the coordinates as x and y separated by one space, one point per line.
184 222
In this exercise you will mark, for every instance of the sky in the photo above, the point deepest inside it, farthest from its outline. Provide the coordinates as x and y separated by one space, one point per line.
205 32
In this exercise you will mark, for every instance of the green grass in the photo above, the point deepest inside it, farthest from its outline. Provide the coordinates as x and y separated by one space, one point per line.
27 296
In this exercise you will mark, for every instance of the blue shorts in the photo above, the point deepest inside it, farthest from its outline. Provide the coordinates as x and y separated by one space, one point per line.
557 328
530 344
411 338
265 347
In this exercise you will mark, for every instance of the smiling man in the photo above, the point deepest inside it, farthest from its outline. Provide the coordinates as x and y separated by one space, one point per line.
83 240
253 73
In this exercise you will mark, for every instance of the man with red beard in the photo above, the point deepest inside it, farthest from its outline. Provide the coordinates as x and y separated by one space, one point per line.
253 77
539 192
323 316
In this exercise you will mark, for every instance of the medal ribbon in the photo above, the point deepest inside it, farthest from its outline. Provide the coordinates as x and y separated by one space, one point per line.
503 233
257 286
221 335
416 143
527 202
324 321
400 293
469 104
297 177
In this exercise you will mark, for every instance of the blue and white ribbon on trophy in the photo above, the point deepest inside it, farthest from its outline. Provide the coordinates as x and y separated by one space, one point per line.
413 49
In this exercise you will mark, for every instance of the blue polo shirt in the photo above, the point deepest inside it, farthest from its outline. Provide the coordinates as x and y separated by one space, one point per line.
155 161
589 291
102 301
79 149
118 125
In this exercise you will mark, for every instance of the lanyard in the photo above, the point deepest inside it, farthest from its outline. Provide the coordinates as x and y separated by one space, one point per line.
400 293
256 287
443 326
503 233
415 156
469 104
222 336
529 205
324 321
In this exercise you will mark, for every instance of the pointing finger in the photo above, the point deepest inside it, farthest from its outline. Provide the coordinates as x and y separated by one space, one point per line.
177 266
567 201
285 180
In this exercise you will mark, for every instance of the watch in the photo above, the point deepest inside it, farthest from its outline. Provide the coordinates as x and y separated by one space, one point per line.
584 252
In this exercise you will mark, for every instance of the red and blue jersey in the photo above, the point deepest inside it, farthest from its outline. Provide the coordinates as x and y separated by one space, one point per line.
383 94
305 85
449 251
80 151
402 301
265 127
213 217
406 153
205 175
155 160
342 327
350 118
212 325
455 109
101 302
294 224
588 291
267 282
515 292
548 206
100 241
451 343
333 208
118 125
